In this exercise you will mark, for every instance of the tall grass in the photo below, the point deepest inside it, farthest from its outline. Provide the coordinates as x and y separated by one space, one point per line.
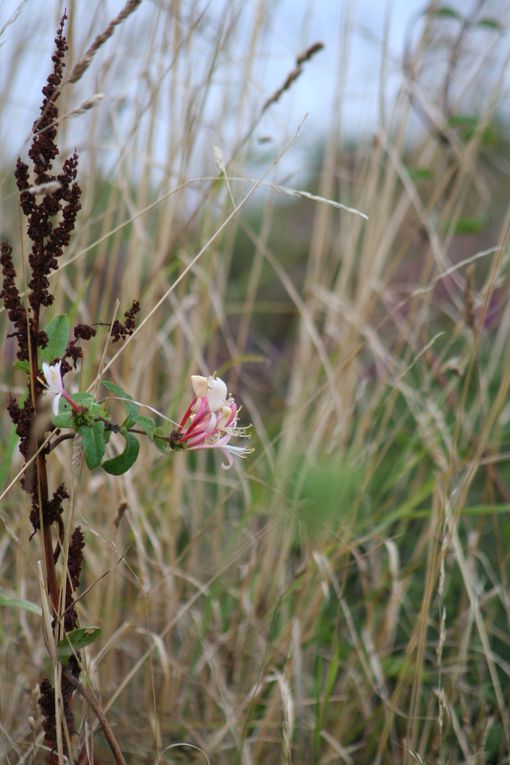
341 596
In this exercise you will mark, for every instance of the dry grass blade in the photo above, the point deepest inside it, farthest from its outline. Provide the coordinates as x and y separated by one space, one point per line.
12 18
83 64
293 75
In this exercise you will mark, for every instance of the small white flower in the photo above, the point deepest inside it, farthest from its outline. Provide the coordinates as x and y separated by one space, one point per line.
54 383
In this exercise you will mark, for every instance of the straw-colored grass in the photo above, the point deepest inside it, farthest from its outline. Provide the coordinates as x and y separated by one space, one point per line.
341 596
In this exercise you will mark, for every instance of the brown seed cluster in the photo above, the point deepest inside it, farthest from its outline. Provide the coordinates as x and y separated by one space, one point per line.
50 218
121 330
74 352
12 301
74 564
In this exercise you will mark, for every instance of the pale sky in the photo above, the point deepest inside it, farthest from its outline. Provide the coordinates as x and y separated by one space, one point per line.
291 26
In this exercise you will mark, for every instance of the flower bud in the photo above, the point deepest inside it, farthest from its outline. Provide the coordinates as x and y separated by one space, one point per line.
199 385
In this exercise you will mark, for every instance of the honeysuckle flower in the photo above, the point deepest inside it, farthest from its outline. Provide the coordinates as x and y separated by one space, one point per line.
54 385
211 388
210 421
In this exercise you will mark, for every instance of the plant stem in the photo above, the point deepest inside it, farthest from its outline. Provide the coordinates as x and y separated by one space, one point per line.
94 704
41 478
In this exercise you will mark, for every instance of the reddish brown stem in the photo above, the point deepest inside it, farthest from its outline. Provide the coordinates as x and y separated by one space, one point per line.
41 479
49 560
51 573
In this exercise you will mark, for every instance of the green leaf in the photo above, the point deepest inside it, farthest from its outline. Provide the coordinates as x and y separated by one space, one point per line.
420 173
93 442
88 402
11 601
130 406
446 12
489 23
23 365
63 420
147 424
75 640
468 124
464 121
122 462
84 399
58 334
160 438
473 225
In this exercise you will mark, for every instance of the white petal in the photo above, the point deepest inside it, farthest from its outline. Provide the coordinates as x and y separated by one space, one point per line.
53 377
211 425
56 403
217 393
48 374
199 385
228 464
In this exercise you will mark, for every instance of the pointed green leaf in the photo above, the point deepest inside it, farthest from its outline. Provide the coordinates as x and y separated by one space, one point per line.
147 424
93 442
127 400
75 640
11 601
122 462
58 334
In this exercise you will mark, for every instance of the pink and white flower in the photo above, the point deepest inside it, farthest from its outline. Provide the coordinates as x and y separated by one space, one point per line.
54 385
210 421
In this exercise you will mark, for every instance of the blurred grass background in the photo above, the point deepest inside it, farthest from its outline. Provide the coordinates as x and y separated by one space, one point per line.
341 596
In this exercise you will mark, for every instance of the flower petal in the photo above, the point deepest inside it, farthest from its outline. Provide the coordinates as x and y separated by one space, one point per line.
200 385
56 403
217 393
53 377
230 460
227 414
197 441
